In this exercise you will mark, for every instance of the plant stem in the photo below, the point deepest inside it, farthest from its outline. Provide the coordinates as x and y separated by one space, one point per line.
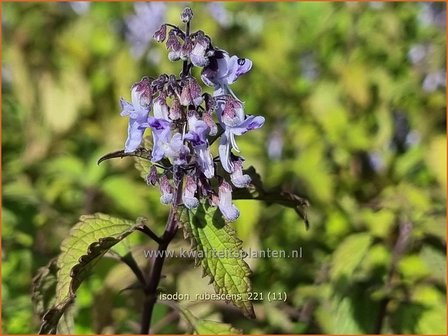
164 241
185 67
404 233
159 259
147 231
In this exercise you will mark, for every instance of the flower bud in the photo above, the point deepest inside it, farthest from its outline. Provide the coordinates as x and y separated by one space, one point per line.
186 15
191 93
160 107
198 52
190 201
229 211
237 177
210 103
141 93
174 46
160 35
233 113
186 49
166 189
207 118
153 177
175 110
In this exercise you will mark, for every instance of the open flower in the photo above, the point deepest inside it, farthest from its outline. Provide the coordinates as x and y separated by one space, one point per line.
224 70
137 110
161 132
228 209
234 122
165 145
197 135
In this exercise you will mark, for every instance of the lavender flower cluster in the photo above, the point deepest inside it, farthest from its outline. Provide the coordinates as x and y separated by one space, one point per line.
182 120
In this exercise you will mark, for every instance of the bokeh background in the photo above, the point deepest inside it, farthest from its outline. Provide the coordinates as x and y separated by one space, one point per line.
354 100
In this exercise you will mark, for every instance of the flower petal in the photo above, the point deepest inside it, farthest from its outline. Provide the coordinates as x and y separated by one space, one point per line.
127 109
251 123
236 68
224 152
190 201
161 135
205 160
166 190
160 108
229 211
239 179
135 136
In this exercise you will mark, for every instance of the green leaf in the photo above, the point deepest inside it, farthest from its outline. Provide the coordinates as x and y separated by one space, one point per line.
433 321
88 241
353 312
351 309
349 255
256 191
220 253
44 287
207 327
435 260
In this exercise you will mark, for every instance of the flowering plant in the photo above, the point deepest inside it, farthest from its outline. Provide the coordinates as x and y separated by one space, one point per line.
198 185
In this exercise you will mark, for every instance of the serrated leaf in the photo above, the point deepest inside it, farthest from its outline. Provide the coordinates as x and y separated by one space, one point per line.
88 241
257 191
220 253
207 327
44 287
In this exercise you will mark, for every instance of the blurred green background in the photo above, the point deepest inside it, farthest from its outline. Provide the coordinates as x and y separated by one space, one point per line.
354 100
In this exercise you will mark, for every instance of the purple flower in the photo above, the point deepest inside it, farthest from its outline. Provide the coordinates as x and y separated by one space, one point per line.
186 15
160 34
224 70
208 119
161 131
141 97
166 190
175 112
176 151
160 108
191 93
153 177
136 130
197 135
174 47
165 145
198 53
190 201
228 209
186 49
234 122
237 177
